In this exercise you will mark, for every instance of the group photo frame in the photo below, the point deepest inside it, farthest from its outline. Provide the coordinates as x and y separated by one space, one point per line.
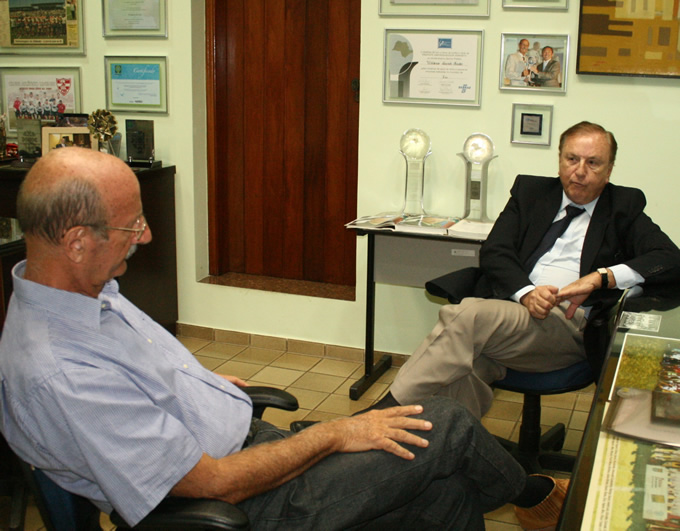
39 93
534 62
42 27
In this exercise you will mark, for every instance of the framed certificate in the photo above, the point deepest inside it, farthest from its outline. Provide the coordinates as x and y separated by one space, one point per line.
434 8
136 84
433 67
41 27
135 18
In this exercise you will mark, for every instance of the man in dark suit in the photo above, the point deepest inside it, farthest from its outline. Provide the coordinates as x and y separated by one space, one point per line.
548 72
538 309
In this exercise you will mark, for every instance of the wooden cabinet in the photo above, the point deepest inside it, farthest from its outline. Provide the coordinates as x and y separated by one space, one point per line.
151 278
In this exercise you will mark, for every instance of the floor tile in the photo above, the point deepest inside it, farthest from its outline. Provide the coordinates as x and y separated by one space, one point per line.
342 406
501 409
335 367
499 427
319 382
224 351
299 362
238 368
209 363
261 356
193 344
276 375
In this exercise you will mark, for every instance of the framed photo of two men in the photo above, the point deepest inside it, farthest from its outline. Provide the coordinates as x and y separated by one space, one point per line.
536 62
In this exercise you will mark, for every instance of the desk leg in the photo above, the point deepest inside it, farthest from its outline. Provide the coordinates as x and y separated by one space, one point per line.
371 372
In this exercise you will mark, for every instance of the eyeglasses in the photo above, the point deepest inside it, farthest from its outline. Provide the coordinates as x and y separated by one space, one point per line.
139 231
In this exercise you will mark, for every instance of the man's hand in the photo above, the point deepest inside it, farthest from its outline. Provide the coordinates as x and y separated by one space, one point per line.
578 291
540 301
379 429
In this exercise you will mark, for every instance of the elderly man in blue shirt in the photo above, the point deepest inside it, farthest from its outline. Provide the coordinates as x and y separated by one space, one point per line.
112 407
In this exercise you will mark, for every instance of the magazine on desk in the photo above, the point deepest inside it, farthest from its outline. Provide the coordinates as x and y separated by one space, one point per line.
424 224
646 393
390 221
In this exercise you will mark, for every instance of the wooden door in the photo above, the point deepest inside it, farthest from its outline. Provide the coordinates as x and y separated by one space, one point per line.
282 137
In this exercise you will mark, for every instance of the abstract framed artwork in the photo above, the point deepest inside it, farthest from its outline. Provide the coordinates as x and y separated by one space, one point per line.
628 38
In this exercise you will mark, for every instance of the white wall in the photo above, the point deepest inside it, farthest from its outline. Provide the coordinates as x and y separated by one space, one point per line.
643 113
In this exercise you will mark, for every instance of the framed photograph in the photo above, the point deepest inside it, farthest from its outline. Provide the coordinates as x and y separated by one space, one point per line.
38 93
135 18
41 27
534 62
58 137
628 39
531 124
433 67
538 5
136 84
434 8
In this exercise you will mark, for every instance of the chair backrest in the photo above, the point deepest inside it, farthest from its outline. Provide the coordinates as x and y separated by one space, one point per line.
59 509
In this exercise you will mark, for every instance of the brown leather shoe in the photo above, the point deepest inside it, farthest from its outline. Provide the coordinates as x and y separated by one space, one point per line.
544 516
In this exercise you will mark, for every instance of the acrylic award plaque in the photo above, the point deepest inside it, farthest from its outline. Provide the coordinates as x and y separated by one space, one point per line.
139 142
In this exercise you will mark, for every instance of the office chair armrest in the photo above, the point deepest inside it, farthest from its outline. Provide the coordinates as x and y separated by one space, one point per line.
179 514
264 397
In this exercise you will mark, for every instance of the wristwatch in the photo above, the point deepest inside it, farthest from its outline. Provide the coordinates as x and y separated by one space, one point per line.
604 276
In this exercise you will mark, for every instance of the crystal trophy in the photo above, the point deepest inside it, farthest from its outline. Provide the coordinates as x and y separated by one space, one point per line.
477 153
415 146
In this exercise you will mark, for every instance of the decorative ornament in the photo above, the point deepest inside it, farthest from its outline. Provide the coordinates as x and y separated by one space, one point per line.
103 126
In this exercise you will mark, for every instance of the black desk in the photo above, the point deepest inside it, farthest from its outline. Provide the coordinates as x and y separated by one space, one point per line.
583 492
405 259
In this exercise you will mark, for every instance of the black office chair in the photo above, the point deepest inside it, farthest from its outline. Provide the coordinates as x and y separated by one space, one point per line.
535 452
13 486
64 511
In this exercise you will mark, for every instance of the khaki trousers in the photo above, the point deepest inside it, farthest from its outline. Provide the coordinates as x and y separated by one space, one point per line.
473 343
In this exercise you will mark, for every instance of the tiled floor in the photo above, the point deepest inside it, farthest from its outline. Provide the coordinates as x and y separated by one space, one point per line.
321 386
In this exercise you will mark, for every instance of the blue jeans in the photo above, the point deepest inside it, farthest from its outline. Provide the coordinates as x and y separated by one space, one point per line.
463 474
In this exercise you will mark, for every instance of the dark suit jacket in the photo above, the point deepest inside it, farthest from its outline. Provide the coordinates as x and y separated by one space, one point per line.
549 76
619 233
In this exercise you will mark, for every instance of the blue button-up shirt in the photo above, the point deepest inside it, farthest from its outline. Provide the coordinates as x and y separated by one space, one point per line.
107 402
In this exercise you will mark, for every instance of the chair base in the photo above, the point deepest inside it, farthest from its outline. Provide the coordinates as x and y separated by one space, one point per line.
547 457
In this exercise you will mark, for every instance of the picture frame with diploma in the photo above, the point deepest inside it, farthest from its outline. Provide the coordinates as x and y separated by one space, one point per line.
435 67
136 84
135 18
42 27
531 124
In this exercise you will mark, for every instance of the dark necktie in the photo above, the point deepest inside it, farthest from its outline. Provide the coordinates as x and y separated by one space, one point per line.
555 231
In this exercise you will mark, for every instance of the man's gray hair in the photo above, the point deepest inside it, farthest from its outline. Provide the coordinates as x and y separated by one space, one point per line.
50 211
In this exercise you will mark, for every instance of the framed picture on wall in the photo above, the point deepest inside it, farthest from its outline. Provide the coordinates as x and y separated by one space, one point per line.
38 93
531 124
58 137
539 5
136 84
536 62
135 18
434 8
635 39
433 67
41 27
